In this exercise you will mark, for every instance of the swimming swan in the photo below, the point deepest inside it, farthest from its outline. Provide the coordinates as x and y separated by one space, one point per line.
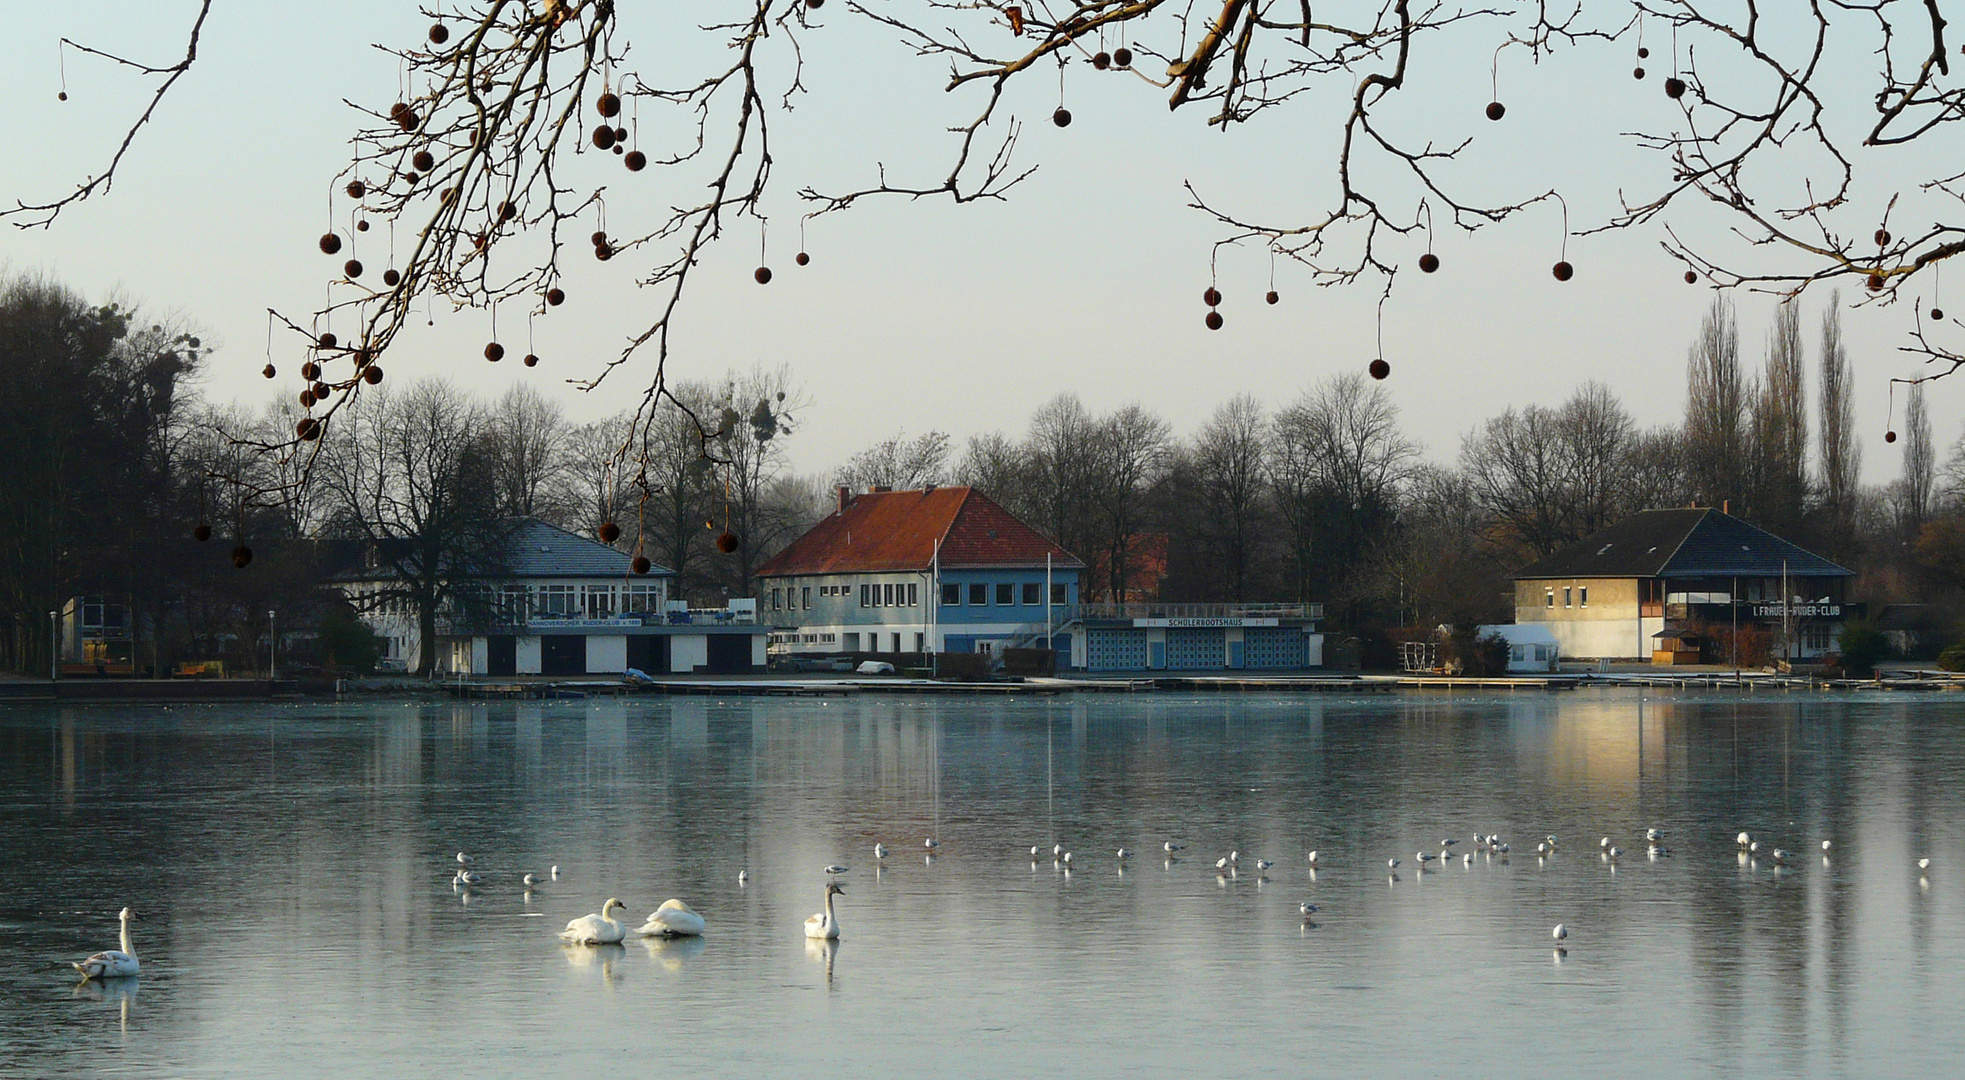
599 929
112 963
825 925
673 919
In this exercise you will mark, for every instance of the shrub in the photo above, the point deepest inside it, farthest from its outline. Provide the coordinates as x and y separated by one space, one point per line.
1862 647
1953 659
1485 656
347 644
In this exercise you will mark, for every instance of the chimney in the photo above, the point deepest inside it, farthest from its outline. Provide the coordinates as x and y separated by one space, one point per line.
1726 506
879 489
845 497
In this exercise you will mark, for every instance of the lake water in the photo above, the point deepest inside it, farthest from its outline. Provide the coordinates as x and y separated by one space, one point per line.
291 866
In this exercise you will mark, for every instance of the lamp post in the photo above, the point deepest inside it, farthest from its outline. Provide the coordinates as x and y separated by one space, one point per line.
272 647
54 646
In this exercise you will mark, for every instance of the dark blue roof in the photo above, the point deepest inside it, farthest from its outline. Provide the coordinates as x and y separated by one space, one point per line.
536 550
1699 542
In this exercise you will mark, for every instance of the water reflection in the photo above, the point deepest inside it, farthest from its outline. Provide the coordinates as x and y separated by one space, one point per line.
291 852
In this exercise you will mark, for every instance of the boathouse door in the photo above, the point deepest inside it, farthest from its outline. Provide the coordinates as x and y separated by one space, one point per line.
563 654
501 654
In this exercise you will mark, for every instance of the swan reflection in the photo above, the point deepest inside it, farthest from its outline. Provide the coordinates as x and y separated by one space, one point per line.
674 954
594 956
823 950
120 990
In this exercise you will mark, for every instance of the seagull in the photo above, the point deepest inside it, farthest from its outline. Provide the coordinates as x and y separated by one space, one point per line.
1170 847
530 880
1826 844
1221 863
1033 852
835 868
1551 841
1424 858
1754 848
1924 864
1743 839
931 843
1782 856
1502 848
1392 864
1654 835
1604 844
468 877
1312 857
1122 853
880 851
1560 933
1067 856
1543 848
464 860
1263 864
1307 909
1612 852
1467 859
555 873
1448 843
743 876
1057 851
1234 856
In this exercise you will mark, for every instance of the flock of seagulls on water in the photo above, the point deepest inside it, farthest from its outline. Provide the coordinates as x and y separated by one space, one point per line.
675 918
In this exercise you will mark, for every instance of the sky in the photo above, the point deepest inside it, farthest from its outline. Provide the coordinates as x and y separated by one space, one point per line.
925 315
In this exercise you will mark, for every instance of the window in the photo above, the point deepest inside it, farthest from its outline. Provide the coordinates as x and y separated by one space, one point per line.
774 599
1549 598
1033 592
1565 596
644 598
978 594
866 593
951 595
600 601
559 602
913 594
1058 593
920 641
1583 596
897 643
805 597
1006 593
888 591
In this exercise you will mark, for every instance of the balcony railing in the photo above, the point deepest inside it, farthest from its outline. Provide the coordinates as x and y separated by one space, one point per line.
1139 609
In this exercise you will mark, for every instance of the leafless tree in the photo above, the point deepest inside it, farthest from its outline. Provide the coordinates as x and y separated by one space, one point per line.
493 158
1130 452
1840 456
899 463
1521 471
1059 455
528 444
1335 463
1715 408
1655 475
1777 457
995 464
1597 432
1230 512
1919 481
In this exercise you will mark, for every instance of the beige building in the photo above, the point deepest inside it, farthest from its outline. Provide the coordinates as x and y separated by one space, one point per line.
1611 595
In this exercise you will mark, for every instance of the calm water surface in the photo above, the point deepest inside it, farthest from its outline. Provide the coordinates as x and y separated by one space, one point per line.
292 865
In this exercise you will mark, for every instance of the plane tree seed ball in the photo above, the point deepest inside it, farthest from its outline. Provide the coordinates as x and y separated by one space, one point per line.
1122 56
1272 296
802 259
608 532
1496 110
637 161
1214 320
1428 263
1564 271
391 278
1380 369
356 189
424 161
352 268
1212 297
202 533
603 137
608 105
555 297
762 274
494 352
372 374
641 564
531 360
1062 117
330 243
1674 87
241 556
439 34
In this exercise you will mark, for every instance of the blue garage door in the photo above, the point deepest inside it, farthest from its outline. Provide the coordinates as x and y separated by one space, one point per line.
1195 649
1273 647
1115 650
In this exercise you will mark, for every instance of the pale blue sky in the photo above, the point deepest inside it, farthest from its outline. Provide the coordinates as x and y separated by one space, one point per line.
916 315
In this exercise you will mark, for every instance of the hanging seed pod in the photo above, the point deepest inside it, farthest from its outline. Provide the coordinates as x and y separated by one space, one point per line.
531 360
1889 436
202 533
310 371
241 556
1272 296
637 161
1102 60
61 95
449 195
269 371
1212 297
424 161
1674 87
330 243
620 134
1428 263
397 110
1691 278
352 268
1379 369
494 352
1938 314
1122 56
598 238
603 251
555 297
1062 117
1643 53
1882 238
608 105
356 189
1875 281
328 340
308 429
439 34
362 225
1564 271
815 4
608 532
620 148
506 211
322 391
1214 320
1637 73
372 374
762 274
408 120
411 177
726 541
1496 110
640 564
603 137
391 278
802 259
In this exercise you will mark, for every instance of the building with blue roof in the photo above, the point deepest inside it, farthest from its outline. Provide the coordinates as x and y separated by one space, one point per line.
1660 575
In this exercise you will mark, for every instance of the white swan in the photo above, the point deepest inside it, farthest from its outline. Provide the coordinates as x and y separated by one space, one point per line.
601 929
112 963
673 919
825 925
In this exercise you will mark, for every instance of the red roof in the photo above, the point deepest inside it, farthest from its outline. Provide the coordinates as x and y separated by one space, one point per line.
897 530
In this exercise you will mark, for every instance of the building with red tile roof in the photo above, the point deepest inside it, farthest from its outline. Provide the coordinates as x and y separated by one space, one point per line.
942 569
